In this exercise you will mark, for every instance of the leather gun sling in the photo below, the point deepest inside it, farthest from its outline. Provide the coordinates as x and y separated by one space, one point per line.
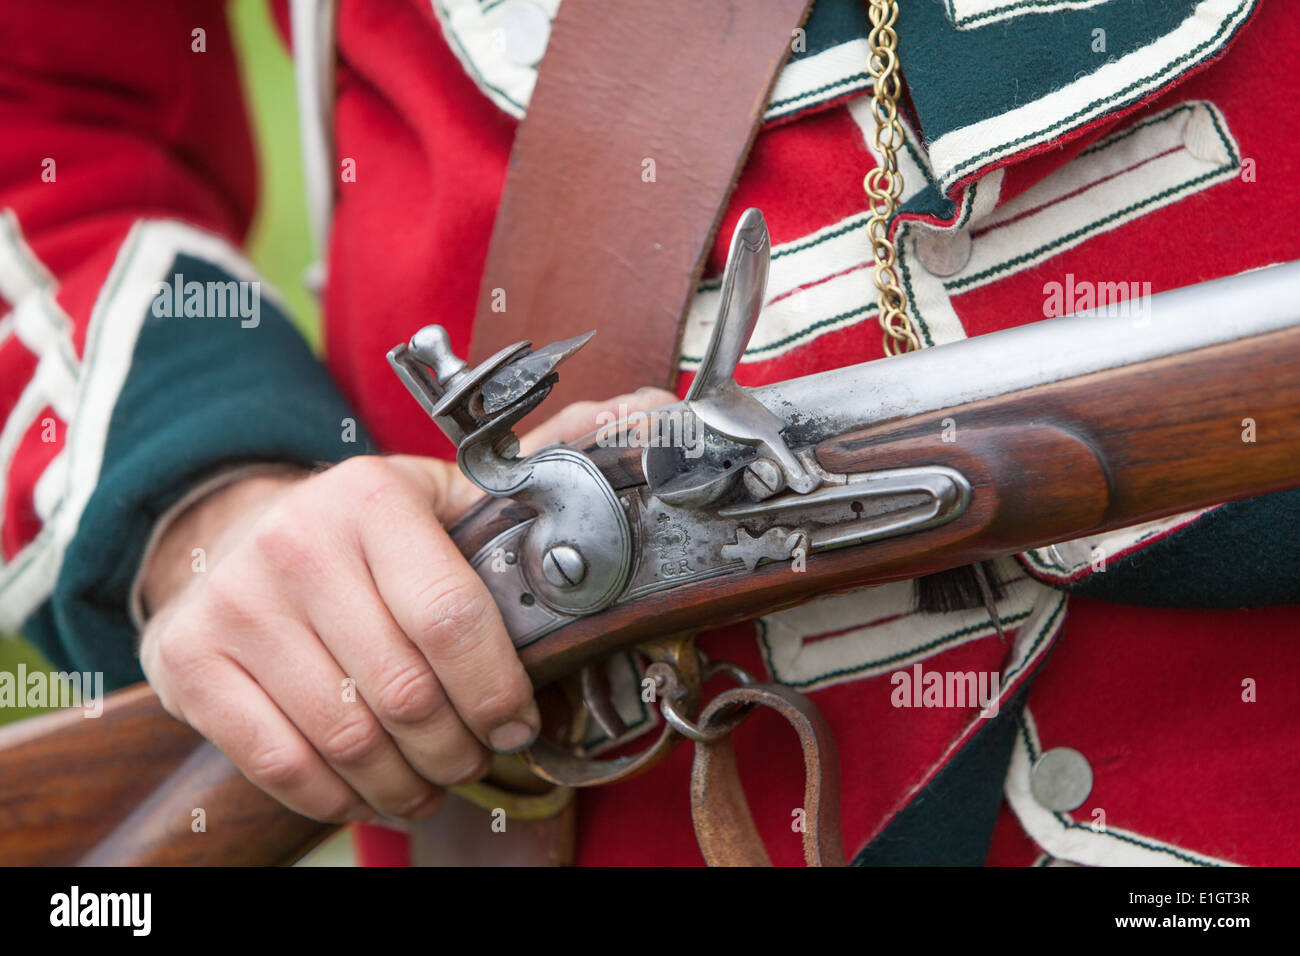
638 127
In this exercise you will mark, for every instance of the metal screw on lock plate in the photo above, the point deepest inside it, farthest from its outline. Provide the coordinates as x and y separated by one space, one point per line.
763 479
564 566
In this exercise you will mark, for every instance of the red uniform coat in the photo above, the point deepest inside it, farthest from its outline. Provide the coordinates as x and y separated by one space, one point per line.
1085 149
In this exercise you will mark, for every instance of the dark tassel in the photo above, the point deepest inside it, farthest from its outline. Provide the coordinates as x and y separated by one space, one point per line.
960 589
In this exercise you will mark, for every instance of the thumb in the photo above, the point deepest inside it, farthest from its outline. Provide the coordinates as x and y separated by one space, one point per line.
451 493
583 418
448 491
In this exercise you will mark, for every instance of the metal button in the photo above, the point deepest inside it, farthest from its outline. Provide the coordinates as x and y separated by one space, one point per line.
1061 779
943 253
526 29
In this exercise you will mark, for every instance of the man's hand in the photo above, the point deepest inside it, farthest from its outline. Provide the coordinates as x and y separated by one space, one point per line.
337 647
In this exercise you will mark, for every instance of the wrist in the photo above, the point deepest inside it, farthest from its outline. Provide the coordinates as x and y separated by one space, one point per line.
195 534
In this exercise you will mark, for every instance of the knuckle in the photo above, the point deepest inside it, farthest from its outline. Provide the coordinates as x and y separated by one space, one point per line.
186 667
336 810
452 613
409 695
365 475
175 657
281 542
225 600
352 741
362 469
377 485
278 768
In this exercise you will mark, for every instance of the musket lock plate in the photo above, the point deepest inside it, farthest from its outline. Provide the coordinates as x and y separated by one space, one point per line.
575 556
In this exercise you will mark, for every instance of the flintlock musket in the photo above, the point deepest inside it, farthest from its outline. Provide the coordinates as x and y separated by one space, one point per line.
877 472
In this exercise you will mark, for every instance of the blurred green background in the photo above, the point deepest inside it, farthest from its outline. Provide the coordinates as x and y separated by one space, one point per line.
280 243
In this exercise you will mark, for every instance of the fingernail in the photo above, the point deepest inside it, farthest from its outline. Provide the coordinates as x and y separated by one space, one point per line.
512 737
361 815
478 771
421 807
426 809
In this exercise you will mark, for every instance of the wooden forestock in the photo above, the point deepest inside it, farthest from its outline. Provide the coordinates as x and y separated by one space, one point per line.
1056 462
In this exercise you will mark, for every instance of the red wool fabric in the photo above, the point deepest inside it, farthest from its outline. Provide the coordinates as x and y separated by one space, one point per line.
410 240
1154 698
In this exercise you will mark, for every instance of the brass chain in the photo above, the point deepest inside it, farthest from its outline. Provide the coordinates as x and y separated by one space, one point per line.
884 184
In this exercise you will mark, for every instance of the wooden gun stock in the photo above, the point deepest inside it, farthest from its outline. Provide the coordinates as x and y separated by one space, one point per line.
1047 464
121 789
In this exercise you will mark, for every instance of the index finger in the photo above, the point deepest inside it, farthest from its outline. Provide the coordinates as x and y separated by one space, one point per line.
448 613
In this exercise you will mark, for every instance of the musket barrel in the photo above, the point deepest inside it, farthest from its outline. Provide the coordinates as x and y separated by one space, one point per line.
1167 323
1089 444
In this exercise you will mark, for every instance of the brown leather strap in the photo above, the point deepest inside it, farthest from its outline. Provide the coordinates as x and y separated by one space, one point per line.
581 240
639 124
724 826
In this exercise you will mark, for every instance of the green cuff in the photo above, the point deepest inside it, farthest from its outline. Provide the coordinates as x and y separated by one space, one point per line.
203 393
